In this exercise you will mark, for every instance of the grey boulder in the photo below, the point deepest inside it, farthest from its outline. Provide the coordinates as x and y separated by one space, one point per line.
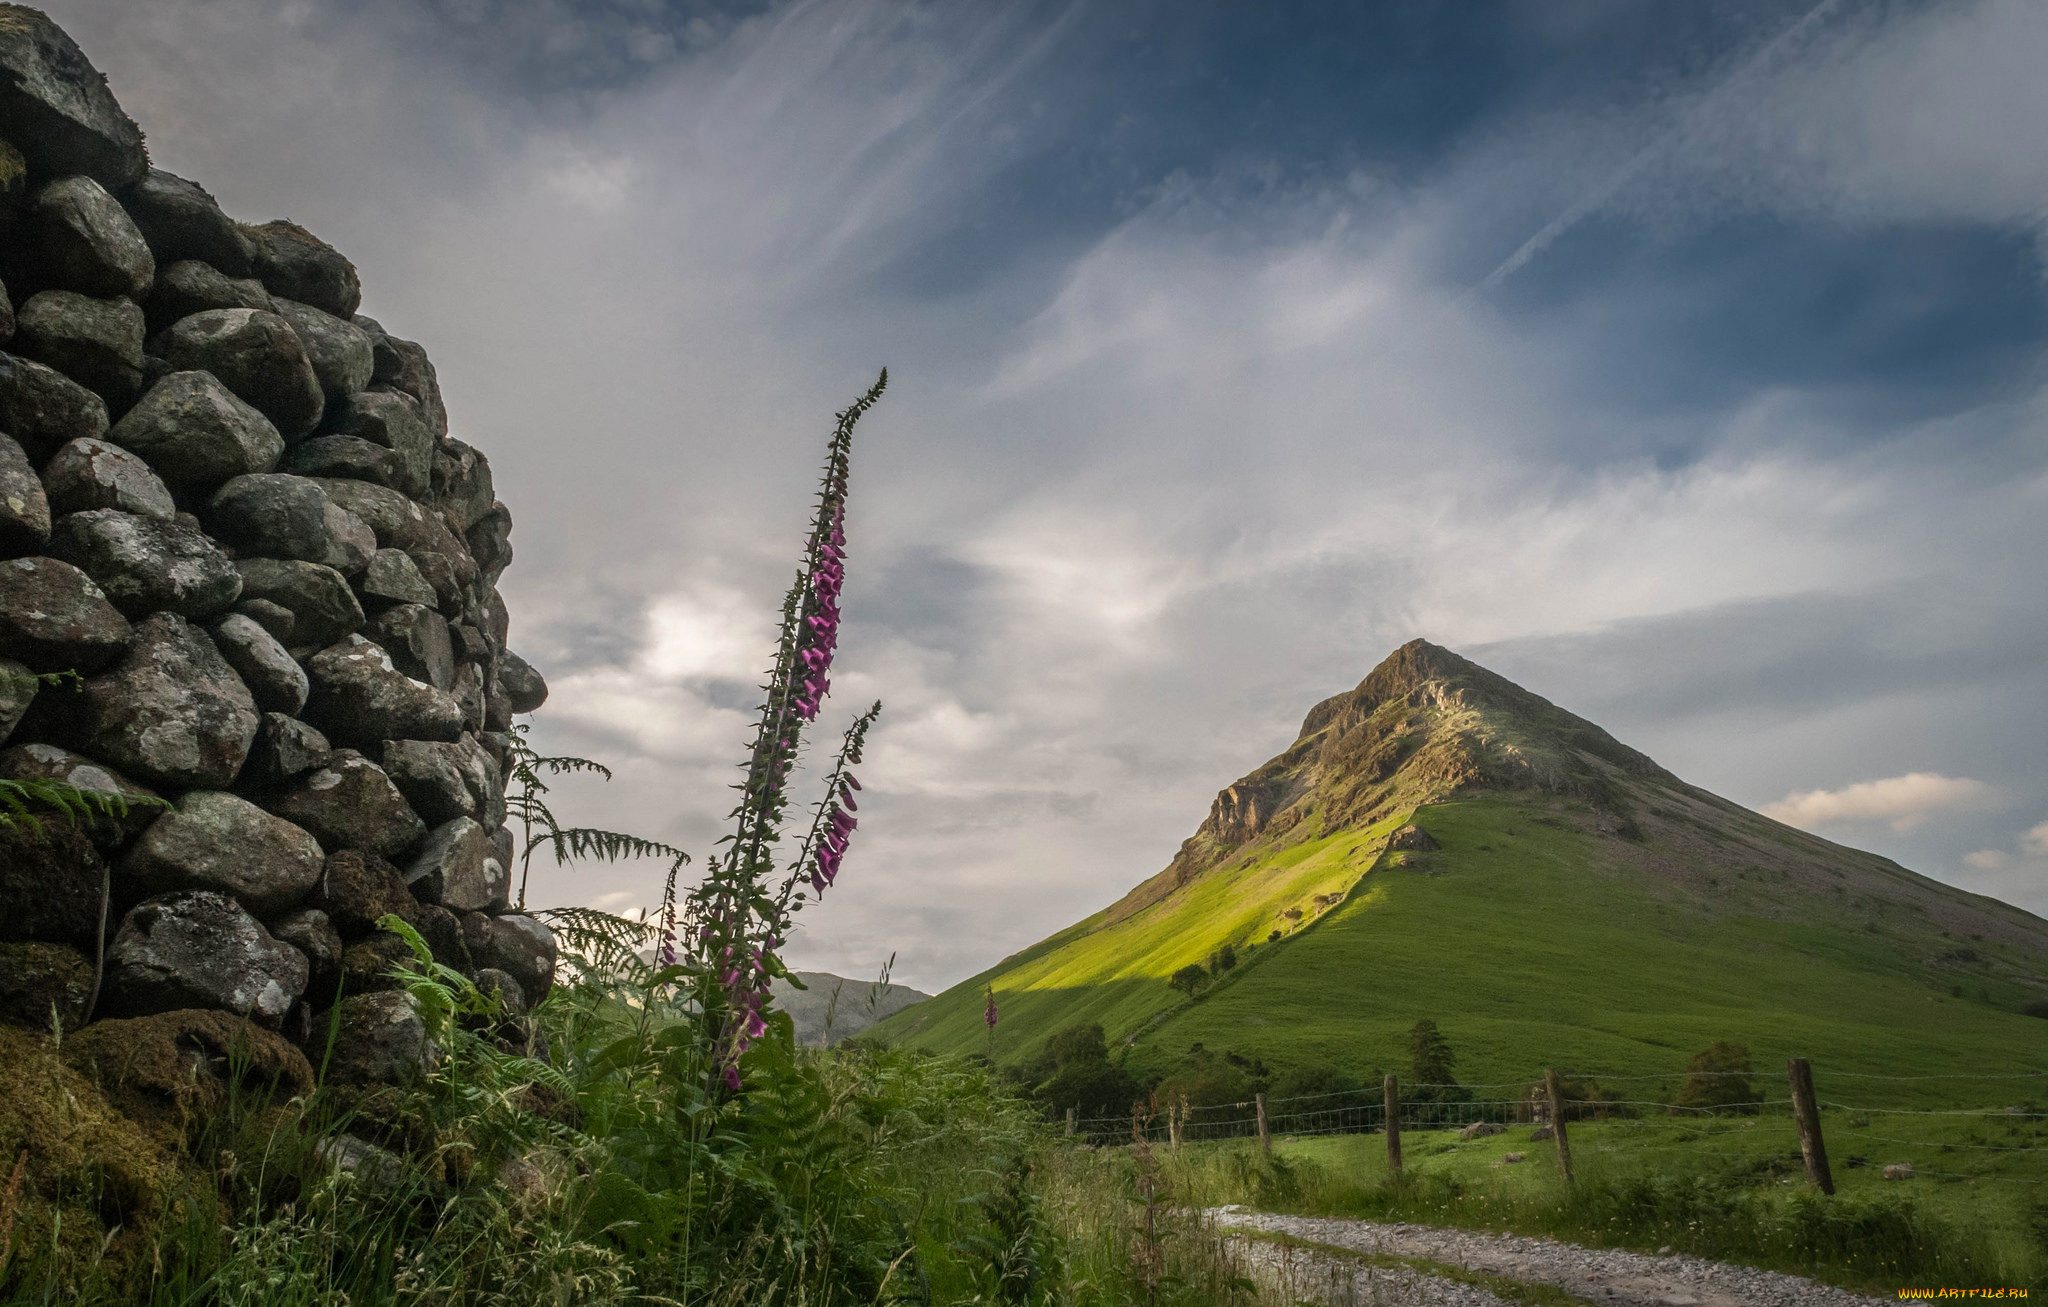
199 949
523 687
18 687
360 699
458 869
147 565
256 355
222 842
389 421
171 712
349 803
24 507
87 474
277 515
196 432
315 599
393 578
445 780
42 408
181 221
95 342
285 747
338 348
55 619
87 241
416 638
188 287
274 677
310 932
515 944
469 696
348 457
358 890
403 366
298 265
57 106
381 1040
462 483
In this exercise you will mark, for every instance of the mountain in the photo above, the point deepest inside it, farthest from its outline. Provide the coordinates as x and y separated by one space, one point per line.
1441 843
834 1006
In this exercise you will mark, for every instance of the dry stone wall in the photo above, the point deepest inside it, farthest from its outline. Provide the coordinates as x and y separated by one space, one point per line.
231 504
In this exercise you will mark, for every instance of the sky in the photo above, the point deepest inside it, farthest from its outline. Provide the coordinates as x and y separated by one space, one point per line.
1686 364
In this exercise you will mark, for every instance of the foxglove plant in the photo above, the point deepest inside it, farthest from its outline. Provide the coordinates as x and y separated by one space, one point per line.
735 922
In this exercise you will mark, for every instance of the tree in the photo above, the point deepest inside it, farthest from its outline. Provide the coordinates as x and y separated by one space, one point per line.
1190 978
1222 960
1430 1058
1717 1080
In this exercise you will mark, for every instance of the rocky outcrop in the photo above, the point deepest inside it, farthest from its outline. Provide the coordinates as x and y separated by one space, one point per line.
230 505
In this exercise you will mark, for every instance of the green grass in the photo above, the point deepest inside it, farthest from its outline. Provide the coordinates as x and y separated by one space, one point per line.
1532 942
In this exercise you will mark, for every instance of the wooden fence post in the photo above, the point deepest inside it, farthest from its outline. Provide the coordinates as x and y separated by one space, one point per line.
1137 1135
1555 1089
1175 1108
1265 1137
1072 1112
1393 1088
1806 1112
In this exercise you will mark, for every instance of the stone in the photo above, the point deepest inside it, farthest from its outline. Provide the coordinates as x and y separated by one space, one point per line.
277 515
18 687
360 699
285 747
196 432
391 421
370 1169
182 222
147 565
188 287
323 609
524 689
1482 1130
441 931
310 932
133 808
339 349
55 619
24 506
256 355
367 964
347 802
500 985
455 868
462 484
222 842
57 106
515 944
51 881
85 241
471 644
274 677
1899 1171
176 1069
1413 837
171 712
498 745
298 265
497 708
6 301
380 1040
359 889
499 625
14 180
42 408
469 696
416 638
45 986
393 578
403 366
272 617
197 948
490 543
443 780
504 849
95 342
88 474
351 457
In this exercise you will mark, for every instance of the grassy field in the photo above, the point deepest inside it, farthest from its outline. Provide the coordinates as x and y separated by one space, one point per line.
1531 941
1730 1187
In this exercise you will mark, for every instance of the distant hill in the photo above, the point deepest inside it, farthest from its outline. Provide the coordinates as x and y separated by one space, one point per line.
850 1006
1560 900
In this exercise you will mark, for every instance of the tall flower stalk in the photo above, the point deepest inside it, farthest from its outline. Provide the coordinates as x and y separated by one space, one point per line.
737 921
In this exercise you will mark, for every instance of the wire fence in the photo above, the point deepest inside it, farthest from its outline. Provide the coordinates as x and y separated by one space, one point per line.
2007 1135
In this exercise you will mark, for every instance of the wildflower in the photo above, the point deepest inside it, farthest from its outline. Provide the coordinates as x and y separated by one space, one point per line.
989 1013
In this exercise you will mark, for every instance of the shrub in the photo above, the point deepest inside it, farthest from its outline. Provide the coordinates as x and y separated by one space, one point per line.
1190 979
1717 1080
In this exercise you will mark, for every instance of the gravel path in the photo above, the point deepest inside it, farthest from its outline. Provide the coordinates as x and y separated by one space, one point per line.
1599 1275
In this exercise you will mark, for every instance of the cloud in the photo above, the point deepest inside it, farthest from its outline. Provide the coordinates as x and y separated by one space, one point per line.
1904 802
1989 859
2035 841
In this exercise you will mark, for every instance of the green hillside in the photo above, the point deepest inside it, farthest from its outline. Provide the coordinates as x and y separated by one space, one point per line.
1581 907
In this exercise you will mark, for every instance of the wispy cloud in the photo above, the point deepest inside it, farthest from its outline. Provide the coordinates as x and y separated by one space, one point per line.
1902 802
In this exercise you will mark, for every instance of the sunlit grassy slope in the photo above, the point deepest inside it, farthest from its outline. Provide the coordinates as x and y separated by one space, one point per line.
1585 909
